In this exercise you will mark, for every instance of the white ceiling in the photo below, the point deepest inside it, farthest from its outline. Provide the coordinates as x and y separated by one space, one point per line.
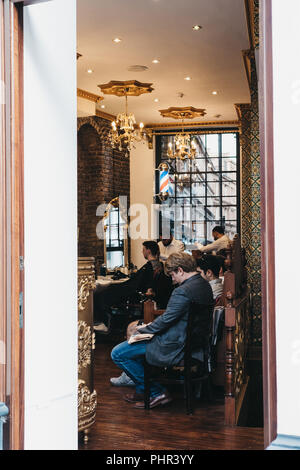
163 29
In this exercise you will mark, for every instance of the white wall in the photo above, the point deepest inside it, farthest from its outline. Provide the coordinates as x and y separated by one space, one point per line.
142 190
50 226
286 44
85 107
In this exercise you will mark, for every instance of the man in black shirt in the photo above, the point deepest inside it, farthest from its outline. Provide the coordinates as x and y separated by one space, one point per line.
149 279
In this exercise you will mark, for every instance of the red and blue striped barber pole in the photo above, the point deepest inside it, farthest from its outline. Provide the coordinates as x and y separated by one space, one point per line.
164 182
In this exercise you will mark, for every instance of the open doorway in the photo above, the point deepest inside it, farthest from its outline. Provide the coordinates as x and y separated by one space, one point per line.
153 61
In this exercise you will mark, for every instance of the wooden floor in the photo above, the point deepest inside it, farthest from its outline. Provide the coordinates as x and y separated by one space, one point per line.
121 427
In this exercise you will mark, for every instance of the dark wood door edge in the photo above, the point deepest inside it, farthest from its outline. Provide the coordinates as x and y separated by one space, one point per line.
267 222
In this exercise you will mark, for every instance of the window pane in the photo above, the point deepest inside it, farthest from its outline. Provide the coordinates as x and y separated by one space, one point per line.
229 164
199 231
213 213
198 189
229 201
213 201
114 259
229 177
216 177
230 213
200 145
213 164
212 145
229 145
229 189
213 189
198 165
183 166
231 228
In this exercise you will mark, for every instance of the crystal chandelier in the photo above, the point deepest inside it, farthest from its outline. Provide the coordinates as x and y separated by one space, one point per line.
124 132
185 147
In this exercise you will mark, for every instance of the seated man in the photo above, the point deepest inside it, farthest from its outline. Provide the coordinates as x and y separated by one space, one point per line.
144 281
166 348
209 267
221 242
168 246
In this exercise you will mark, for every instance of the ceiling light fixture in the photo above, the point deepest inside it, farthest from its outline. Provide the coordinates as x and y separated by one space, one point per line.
184 145
124 133
187 78
102 106
156 100
117 40
214 93
197 27
90 71
155 61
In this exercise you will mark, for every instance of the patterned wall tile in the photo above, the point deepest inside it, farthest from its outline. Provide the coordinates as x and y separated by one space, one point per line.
251 202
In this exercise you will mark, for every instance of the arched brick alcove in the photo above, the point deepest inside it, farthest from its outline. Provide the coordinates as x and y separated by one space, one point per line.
103 173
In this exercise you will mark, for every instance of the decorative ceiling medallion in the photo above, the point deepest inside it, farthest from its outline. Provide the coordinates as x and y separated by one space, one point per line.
125 88
187 112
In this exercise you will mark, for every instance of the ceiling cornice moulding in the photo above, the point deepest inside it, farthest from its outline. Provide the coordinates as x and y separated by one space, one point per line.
89 96
107 116
189 125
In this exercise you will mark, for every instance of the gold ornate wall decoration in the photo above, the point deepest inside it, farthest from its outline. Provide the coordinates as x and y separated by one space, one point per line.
128 88
85 284
87 404
252 15
86 343
247 56
187 112
89 96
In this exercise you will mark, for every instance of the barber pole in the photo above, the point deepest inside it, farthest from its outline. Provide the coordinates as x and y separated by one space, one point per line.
163 181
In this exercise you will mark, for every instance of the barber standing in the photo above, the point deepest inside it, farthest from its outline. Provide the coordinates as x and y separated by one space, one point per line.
169 246
221 242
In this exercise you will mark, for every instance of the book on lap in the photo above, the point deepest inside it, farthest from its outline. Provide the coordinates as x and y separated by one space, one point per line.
140 337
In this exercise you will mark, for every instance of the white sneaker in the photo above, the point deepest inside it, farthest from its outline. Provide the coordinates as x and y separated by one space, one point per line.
101 327
122 381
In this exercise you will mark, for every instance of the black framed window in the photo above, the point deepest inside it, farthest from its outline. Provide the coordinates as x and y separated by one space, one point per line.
203 192
114 239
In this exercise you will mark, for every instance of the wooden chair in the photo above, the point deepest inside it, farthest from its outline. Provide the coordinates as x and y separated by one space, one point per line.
189 371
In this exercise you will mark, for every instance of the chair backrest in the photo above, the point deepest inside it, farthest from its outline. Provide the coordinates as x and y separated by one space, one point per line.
199 328
163 288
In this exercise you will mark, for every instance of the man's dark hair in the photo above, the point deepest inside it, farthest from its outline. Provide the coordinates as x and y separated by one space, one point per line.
210 262
152 246
219 229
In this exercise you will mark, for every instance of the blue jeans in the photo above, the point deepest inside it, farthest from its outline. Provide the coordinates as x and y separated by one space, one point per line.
130 357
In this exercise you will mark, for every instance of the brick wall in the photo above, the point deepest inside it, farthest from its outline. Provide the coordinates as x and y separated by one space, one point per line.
103 173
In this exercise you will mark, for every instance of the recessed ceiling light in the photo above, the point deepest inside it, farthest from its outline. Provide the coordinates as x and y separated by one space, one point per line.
117 40
156 100
214 93
155 61
90 71
187 78
197 27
